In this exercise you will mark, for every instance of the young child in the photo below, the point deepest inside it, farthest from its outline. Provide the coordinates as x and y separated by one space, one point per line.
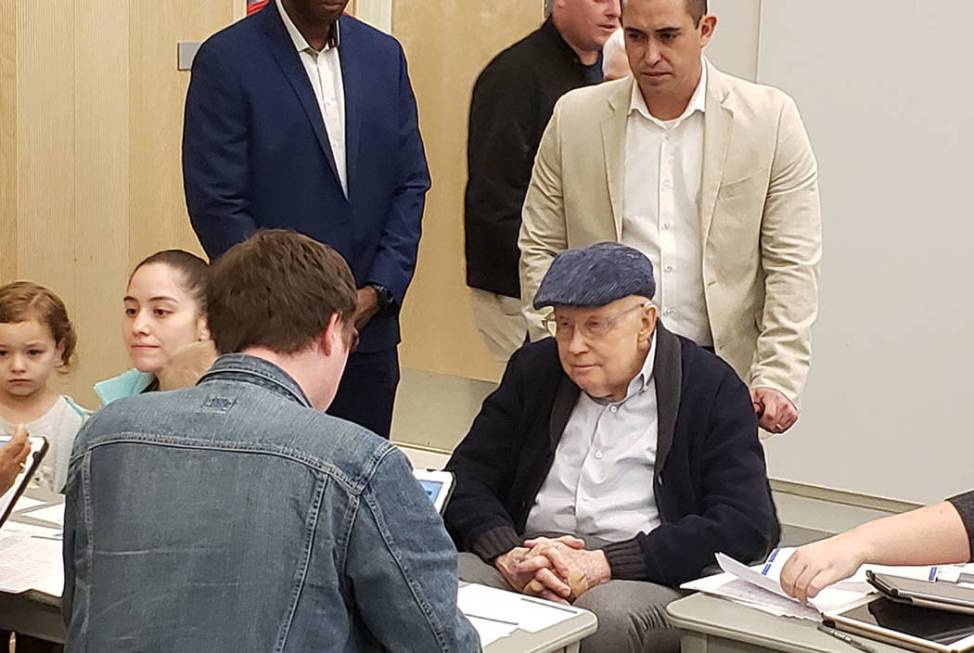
37 338
164 311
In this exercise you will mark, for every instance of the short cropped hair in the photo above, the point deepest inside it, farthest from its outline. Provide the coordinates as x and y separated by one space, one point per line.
697 10
277 289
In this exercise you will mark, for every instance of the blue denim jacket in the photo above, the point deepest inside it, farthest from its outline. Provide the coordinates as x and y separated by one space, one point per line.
234 517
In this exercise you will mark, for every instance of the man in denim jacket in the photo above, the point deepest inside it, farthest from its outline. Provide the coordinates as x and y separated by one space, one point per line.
237 515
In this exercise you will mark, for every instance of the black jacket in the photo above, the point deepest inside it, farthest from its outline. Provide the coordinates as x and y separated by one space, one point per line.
511 105
711 483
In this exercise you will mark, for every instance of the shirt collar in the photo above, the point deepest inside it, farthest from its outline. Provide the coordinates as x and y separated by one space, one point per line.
300 43
698 101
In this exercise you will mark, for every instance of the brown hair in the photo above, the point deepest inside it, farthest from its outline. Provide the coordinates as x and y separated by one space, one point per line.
191 267
22 301
277 289
697 10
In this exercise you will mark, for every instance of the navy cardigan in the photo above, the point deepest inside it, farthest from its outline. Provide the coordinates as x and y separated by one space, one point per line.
710 479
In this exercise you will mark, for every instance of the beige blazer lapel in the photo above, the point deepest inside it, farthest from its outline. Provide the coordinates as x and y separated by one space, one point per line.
614 151
718 124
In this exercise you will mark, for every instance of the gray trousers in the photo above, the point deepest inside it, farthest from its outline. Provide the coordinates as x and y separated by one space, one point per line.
631 613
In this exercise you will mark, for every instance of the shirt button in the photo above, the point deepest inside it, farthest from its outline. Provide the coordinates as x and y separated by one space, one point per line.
614 409
668 268
669 312
666 226
598 455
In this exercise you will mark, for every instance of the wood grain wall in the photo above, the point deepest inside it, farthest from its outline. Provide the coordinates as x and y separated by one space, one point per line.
91 107
90 124
448 42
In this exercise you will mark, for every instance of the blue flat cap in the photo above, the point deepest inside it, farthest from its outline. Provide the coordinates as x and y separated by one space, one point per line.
595 276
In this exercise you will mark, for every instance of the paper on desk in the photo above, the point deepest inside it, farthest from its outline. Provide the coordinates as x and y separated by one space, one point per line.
30 563
490 631
828 599
53 514
731 587
523 612
26 503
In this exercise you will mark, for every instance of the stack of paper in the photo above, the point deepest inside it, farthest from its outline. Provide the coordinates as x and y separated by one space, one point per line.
30 562
760 586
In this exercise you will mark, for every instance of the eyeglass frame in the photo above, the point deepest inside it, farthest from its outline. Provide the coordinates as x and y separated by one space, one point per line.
551 323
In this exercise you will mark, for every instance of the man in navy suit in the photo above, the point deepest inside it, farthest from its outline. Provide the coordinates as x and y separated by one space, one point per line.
300 117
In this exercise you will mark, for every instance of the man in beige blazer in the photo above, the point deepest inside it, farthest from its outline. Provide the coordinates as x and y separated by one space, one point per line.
712 177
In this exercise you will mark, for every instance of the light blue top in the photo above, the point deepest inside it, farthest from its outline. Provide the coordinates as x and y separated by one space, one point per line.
126 384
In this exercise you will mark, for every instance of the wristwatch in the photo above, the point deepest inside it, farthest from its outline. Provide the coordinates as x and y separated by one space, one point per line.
383 295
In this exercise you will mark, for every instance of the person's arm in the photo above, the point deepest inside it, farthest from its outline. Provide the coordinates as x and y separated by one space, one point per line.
937 534
543 232
501 146
402 566
395 259
791 252
484 464
216 160
13 456
75 536
737 516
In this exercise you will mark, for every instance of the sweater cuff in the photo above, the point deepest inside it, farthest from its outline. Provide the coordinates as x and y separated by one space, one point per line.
964 504
496 542
626 560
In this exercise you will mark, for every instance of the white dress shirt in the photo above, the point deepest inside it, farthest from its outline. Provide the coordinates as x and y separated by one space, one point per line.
601 482
324 69
661 214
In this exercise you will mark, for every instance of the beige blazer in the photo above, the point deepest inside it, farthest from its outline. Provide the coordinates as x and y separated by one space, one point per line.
758 207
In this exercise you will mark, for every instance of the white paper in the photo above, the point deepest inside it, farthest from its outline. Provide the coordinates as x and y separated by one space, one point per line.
53 514
28 563
731 587
519 611
490 631
26 503
828 599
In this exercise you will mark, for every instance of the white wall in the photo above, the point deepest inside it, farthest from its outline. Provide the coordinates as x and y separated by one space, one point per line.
883 87
734 48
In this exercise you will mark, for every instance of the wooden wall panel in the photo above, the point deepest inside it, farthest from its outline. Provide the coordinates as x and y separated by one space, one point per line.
101 163
158 92
448 43
8 140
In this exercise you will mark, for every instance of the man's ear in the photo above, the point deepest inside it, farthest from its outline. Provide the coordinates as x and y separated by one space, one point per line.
332 335
707 27
649 316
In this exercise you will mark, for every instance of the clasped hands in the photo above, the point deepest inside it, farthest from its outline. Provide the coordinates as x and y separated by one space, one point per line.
559 569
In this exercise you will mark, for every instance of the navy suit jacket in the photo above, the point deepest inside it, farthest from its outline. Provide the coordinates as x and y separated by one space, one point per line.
256 155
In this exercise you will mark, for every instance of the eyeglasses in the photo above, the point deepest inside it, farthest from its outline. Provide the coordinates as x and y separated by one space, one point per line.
594 327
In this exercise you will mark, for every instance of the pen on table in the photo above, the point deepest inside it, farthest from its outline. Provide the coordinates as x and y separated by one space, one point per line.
851 641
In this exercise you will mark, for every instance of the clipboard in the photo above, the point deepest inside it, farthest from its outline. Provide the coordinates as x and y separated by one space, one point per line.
38 449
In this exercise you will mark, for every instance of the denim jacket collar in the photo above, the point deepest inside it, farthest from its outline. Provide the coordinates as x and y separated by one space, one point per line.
244 368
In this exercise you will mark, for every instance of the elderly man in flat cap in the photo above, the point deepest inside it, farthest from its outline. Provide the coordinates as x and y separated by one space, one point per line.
613 461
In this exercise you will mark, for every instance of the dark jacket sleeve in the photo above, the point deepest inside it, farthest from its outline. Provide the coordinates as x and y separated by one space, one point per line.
964 503
737 515
484 465
216 162
395 260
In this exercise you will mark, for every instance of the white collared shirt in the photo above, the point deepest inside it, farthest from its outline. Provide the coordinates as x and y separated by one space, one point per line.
601 482
661 207
324 69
